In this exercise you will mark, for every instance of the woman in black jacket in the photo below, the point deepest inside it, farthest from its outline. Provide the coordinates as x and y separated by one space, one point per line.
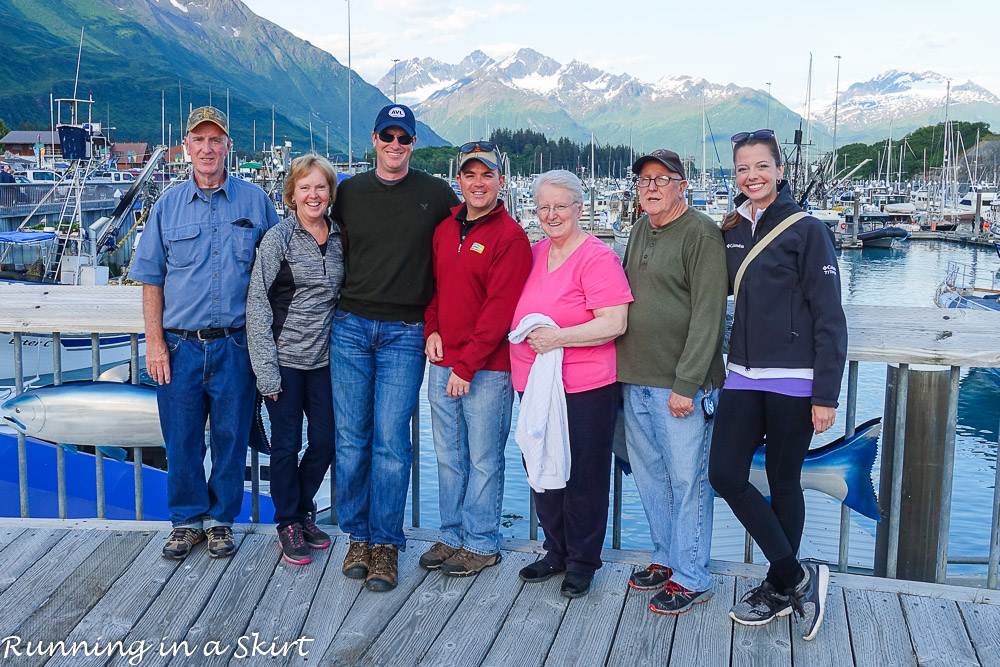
786 361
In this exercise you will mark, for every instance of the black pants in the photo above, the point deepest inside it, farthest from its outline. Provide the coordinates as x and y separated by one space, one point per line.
294 483
575 519
741 422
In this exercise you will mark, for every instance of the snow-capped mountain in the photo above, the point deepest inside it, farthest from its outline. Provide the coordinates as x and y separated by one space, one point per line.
907 100
417 79
530 90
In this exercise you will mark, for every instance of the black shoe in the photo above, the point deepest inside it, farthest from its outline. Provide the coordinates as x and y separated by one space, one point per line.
314 537
537 572
576 584
760 606
675 599
220 542
653 577
808 598
293 545
181 541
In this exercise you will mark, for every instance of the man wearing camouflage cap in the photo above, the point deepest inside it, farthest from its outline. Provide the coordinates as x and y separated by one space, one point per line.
194 260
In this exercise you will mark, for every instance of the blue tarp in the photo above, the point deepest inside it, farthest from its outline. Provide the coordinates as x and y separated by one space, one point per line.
26 237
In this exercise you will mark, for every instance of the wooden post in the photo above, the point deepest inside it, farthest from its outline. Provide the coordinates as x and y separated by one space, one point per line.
857 221
923 452
978 224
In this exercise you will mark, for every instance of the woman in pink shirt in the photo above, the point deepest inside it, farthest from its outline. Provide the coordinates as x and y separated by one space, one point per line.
578 282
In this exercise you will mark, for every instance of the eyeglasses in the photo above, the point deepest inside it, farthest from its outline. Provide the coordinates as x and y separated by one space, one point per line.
661 181
740 137
477 147
388 137
558 209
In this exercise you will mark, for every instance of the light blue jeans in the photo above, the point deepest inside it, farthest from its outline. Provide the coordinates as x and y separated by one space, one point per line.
669 457
376 368
470 434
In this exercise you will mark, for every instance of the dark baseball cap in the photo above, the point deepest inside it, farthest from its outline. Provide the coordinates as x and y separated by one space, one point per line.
397 115
668 159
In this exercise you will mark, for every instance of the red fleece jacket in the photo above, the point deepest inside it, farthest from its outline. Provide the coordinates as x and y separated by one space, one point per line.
477 284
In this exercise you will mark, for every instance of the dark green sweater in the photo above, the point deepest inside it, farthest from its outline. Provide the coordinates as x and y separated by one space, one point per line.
388 233
675 325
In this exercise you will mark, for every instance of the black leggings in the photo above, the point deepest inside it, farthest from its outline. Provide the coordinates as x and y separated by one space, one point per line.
741 421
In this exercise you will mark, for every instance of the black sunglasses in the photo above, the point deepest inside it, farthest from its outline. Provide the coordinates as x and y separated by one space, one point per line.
388 137
740 137
476 147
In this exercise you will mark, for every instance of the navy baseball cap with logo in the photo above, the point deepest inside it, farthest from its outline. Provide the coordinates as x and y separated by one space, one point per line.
398 115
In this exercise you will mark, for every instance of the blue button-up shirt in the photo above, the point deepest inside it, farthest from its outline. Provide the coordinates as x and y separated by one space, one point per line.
201 250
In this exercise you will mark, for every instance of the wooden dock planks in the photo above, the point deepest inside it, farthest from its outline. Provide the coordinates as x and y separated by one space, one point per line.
937 631
483 609
879 635
114 585
82 589
588 627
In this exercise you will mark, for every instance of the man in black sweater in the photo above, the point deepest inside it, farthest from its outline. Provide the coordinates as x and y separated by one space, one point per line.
387 216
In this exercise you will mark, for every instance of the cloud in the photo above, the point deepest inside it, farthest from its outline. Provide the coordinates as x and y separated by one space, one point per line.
936 40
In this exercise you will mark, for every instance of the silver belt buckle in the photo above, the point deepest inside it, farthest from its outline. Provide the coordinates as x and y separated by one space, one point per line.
198 334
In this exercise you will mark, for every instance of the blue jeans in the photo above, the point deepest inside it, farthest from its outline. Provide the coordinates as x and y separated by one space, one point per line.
376 368
470 434
669 457
294 482
213 379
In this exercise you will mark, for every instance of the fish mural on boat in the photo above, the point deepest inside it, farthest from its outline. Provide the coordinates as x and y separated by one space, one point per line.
841 469
106 415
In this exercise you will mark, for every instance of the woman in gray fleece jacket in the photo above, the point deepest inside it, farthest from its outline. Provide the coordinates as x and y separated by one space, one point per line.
294 287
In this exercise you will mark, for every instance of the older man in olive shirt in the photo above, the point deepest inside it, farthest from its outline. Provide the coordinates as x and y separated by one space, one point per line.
670 364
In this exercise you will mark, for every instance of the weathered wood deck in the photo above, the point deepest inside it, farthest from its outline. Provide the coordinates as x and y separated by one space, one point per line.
92 583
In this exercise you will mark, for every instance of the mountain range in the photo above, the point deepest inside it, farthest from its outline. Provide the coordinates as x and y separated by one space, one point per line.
531 90
137 52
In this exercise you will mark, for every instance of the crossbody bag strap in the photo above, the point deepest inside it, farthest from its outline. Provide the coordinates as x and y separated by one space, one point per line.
757 249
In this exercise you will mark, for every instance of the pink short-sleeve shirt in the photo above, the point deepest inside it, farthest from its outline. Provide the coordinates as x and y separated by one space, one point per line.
591 278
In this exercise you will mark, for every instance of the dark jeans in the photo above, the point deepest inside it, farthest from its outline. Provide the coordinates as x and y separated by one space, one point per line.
575 519
741 421
295 482
209 379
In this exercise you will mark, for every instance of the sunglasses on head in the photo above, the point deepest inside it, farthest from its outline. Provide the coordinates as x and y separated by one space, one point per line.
388 137
477 147
740 137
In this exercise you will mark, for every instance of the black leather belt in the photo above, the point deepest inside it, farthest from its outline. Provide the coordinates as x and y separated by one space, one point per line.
205 334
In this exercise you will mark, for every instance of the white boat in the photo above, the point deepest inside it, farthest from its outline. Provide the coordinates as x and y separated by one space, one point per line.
36 353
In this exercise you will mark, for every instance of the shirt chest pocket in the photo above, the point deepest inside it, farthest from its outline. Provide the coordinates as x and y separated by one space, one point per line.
182 245
244 241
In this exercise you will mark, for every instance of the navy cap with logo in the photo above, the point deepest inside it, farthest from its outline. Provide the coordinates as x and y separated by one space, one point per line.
397 115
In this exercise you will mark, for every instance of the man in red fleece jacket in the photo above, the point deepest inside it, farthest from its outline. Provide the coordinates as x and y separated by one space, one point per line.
481 260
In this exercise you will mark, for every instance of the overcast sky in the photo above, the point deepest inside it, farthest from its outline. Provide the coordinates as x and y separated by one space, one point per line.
749 44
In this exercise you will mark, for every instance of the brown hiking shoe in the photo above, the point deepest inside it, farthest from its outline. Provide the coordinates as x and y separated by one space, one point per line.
383 574
436 555
180 542
466 563
357 561
221 543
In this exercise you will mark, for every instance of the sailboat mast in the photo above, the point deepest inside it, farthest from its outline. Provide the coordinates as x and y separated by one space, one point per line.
809 79
703 140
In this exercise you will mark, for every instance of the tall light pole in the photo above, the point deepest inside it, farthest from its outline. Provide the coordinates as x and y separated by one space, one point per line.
350 152
394 61
768 123
836 99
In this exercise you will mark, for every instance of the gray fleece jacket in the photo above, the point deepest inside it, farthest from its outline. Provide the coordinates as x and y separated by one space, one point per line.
293 290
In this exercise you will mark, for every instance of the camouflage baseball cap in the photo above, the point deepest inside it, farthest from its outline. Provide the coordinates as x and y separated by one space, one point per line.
210 114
